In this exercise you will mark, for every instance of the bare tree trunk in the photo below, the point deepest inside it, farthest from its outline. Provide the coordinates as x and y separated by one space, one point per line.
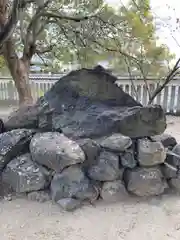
19 69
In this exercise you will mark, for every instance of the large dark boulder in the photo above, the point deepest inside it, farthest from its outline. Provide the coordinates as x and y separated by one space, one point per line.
87 103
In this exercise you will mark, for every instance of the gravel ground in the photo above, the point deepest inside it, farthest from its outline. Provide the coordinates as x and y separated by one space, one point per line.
152 219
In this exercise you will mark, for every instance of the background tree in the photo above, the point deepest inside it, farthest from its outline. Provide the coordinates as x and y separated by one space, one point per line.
81 32
142 41
37 34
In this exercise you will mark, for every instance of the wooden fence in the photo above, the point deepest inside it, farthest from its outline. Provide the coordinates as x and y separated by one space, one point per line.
169 98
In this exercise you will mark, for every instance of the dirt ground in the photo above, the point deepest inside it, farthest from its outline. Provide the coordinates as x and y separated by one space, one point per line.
153 219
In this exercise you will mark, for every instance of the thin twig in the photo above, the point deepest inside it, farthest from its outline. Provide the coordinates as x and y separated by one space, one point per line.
169 77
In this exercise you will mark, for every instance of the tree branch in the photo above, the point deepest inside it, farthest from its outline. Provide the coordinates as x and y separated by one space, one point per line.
169 77
49 15
39 55
45 50
7 28
30 39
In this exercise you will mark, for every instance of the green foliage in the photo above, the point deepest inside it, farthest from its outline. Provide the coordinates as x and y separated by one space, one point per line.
2 64
141 42
126 38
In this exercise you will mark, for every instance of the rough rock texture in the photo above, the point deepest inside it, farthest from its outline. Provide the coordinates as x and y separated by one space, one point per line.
174 182
72 183
87 103
55 151
167 140
91 150
13 143
85 144
97 120
127 159
173 158
5 189
150 153
116 142
24 175
113 191
107 168
69 204
24 117
39 196
169 171
145 182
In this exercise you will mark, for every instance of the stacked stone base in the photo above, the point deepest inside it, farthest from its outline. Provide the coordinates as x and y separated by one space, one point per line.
49 166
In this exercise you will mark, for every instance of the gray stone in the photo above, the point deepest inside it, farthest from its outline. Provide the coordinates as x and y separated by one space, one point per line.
107 168
69 204
55 151
167 140
113 191
87 103
169 171
145 182
127 159
175 182
72 183
173 159
99 120
31 117
24 175
12 144
23 117
91 150
116 142
5 189
150 153
39 196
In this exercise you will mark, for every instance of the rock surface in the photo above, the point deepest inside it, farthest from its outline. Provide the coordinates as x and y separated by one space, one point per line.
24 117
174 157
174 183
145 182
87 103
91 150
55 151
13 143
169 171
39 196
150 153
167 140
116 142
23 175
96 120
107 167
72 183
127 159
113 191
84 144
69 204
